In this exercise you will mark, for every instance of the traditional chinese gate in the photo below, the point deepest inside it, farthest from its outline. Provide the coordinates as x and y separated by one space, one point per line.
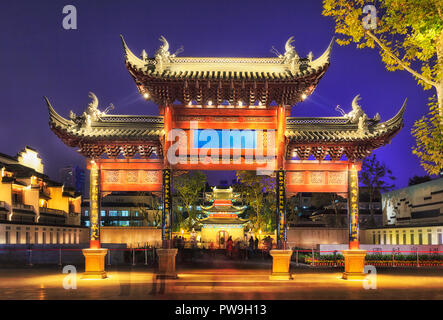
226 114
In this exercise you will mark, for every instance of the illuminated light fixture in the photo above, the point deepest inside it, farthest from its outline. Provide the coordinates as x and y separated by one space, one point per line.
190 103
146 95
304 96
209 103
240 104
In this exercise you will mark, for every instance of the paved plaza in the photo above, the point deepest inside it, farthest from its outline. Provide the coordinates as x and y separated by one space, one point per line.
226 280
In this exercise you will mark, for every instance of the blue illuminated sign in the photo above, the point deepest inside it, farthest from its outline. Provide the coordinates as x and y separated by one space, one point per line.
224 139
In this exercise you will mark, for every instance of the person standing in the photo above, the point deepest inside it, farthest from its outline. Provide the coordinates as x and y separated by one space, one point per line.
229 245
250 248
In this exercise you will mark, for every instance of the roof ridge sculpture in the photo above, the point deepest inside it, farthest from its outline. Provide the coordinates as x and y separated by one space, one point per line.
163 58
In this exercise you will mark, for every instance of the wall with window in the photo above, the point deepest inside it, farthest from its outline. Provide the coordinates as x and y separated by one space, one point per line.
41 234
432 235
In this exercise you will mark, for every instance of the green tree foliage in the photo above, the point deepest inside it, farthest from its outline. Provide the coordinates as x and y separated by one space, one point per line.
149 208
258 191
409 36
377 178
189 188
428 133
418 179
321 200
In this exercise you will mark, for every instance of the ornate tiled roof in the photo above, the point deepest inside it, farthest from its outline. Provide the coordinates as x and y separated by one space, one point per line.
336 136
283 79
223 221
354 134
95 132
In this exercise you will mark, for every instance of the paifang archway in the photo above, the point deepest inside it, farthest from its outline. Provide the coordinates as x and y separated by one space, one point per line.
224 114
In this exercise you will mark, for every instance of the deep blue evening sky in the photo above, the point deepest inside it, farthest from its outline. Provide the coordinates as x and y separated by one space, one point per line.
38 57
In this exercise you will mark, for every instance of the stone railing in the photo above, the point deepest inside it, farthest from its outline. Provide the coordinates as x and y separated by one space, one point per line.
3 204
23 206
51 211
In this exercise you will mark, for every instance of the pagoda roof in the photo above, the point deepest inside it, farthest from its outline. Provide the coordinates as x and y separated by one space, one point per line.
95 132
230 209
340 135
354 134
223 221
283 79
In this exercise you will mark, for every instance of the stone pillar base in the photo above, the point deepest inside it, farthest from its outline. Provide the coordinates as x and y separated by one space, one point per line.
281 260
94 263
166 263
354 264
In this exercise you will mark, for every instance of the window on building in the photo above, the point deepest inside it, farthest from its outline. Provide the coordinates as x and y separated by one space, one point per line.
384 238
17 237
124 223
113 213
28 238
420 237
58 237
50 238
404 237
373 237
390 238
397 238
125 213
86 213
44 237
103 213
36 237
87 223
429 238
379 237
440 238
17 196
7 237
412 238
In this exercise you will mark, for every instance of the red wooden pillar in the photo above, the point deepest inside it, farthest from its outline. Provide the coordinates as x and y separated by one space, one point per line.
281 128
167 181
167 120
280 179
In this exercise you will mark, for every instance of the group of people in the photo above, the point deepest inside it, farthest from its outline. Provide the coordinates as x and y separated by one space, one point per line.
233 248
178 242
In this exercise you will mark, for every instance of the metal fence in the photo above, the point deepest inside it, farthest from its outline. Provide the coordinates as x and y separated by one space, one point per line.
147 256
379 258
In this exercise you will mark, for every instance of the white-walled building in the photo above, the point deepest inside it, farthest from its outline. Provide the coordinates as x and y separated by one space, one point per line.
33 208
412 216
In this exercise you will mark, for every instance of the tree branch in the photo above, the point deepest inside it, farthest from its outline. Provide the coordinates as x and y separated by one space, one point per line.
401 63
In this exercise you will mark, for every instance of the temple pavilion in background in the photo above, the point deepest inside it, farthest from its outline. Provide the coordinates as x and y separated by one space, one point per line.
222 219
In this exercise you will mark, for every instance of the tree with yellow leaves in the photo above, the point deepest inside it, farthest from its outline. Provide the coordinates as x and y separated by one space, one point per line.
409 36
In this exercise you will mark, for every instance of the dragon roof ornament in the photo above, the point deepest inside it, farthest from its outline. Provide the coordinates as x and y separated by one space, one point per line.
91 114
358 116
285 64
